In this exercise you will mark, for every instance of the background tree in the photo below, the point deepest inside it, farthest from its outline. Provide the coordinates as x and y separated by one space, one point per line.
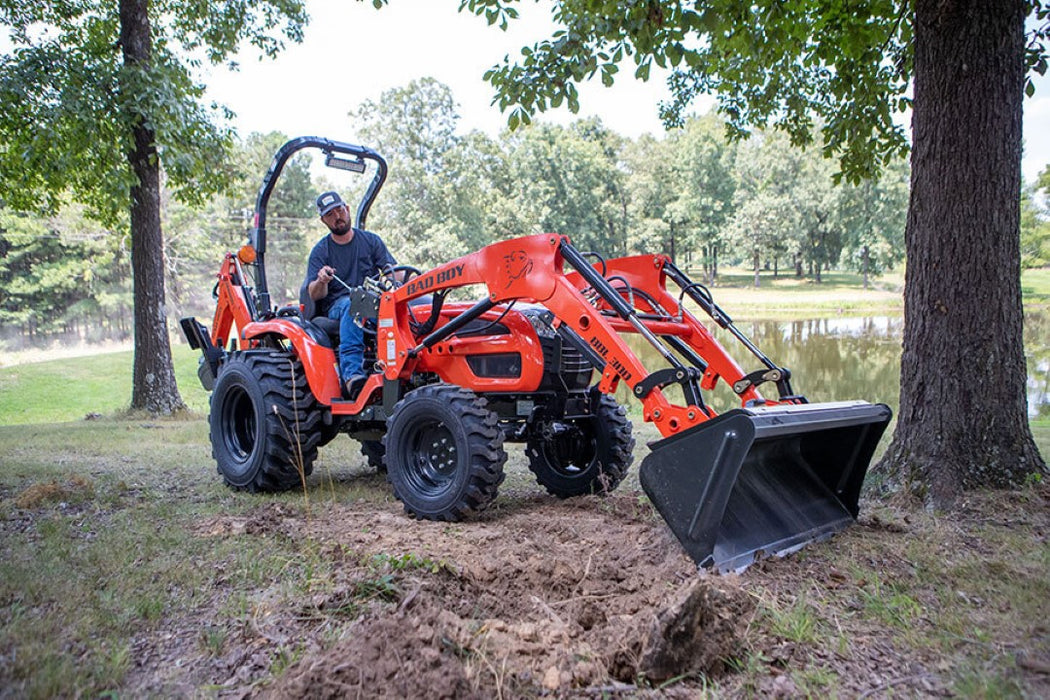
97 103
873 214
60 274
566 180
767 219
651 191
432 198
703 174
789 65
1035 222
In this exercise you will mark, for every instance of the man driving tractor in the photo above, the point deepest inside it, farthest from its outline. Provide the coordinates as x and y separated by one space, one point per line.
347 256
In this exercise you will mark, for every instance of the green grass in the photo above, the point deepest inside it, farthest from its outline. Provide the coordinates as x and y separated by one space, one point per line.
101 523
839 293
72 388
1035 285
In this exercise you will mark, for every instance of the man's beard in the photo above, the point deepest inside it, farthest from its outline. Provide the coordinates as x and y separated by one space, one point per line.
340 230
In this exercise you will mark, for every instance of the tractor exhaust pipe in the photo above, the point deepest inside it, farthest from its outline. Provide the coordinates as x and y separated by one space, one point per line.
765 480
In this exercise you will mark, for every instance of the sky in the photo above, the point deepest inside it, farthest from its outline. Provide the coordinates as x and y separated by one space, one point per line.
352 52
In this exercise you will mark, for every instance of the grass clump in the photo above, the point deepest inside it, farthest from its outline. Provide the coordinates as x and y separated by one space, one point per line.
73 490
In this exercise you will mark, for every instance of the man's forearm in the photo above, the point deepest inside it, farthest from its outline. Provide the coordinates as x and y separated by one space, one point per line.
318 290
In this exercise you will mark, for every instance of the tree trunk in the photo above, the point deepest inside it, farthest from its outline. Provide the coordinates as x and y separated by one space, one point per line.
963 420
153 387
865 257
756 264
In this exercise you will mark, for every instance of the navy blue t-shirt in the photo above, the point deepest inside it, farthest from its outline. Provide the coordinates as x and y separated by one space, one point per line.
362 257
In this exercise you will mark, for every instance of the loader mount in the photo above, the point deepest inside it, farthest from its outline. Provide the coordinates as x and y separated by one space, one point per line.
524 341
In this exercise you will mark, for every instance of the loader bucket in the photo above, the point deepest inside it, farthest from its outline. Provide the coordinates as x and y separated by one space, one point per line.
763 481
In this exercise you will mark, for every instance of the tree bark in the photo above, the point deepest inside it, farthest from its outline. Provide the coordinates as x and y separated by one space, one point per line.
153 387
963 420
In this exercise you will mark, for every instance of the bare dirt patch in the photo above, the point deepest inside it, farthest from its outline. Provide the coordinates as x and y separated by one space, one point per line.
547 597
593 597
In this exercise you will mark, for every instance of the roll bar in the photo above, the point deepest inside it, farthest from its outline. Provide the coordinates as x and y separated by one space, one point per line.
257 235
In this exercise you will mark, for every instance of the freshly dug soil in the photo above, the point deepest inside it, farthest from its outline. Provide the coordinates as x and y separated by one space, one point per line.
593 597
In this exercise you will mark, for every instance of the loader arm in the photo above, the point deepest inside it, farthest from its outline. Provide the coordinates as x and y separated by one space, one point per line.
532 269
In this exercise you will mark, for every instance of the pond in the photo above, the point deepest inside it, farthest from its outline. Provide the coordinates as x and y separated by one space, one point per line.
833 359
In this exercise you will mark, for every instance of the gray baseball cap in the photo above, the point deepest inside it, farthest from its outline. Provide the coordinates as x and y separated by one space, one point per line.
328 201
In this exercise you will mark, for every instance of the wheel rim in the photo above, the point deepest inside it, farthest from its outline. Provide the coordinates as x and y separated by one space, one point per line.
239 425
572 453
432 459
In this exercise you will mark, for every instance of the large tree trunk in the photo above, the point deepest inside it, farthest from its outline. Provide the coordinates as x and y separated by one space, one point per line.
963 417
154 387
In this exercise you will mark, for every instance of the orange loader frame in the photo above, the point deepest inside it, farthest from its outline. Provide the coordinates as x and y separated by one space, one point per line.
532 270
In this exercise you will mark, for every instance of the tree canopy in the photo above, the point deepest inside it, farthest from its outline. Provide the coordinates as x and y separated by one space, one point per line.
100 98
841 66
66 125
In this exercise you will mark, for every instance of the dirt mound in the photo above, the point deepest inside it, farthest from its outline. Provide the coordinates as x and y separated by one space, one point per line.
545 599
410 653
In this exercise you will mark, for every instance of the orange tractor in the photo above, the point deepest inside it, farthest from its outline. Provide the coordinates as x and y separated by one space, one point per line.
534 356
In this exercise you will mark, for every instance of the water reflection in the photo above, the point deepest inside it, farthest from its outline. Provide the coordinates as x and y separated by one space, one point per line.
834 359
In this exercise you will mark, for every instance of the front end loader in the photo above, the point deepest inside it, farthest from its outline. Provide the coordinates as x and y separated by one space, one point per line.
524 341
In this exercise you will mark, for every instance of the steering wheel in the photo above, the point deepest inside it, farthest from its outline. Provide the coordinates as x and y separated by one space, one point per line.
386 279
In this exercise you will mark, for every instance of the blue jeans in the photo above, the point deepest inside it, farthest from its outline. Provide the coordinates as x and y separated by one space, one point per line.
351 340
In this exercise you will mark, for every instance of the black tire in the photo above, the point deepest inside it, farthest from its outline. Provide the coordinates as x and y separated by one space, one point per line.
264 422
329 432
374 451
444 453
583 456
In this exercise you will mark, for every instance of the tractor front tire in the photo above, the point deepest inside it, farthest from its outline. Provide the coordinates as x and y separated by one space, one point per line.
264 424
585 456
444 453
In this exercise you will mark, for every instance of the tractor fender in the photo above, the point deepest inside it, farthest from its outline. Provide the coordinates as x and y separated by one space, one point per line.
319 362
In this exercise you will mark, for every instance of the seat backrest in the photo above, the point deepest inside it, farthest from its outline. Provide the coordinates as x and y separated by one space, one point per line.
329 326
308 305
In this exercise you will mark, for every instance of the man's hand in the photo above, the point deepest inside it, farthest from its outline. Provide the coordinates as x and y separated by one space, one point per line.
318 289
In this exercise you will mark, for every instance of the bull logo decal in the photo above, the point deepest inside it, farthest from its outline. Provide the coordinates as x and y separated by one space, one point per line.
515 266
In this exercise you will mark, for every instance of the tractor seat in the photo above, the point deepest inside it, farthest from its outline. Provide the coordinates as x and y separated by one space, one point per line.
328 326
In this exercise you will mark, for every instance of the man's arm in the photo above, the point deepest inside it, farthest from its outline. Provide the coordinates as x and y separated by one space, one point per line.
320 273
318 287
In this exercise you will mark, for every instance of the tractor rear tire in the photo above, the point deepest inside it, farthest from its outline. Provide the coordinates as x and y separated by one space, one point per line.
265 423
591 456
444 453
